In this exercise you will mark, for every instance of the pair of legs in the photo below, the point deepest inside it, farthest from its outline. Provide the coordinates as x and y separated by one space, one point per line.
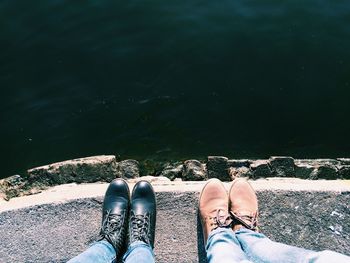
229 222
230 228
128 226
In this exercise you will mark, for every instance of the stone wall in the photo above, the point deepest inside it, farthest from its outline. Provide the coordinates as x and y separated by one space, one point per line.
276 166
106 167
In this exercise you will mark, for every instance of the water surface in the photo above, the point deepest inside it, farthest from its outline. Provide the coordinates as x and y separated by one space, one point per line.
173 79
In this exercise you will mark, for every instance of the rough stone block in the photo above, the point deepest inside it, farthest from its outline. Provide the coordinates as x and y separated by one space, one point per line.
344 172
318 168
303 169
344 161
12 181
173 171
128 169
282 166
260 168
11 186
325 172
194 170
236 172
82 170
218 168
239 163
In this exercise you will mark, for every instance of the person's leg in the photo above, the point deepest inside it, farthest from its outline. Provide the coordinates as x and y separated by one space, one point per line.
142 224
327 256
258 248
113 228
223 246
220 241
99 252
139 252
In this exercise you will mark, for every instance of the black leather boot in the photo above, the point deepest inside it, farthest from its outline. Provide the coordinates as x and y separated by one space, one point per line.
115 214
142 220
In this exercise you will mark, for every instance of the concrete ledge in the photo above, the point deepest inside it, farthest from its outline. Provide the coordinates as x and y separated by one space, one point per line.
68 192
55 226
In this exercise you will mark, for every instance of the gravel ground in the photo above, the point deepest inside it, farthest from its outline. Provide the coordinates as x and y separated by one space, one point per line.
55 233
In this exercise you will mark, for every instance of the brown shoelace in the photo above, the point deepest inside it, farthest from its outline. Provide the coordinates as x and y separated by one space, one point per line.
220 220
248 221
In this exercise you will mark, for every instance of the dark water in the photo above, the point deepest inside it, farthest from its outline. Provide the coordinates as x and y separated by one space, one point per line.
173 79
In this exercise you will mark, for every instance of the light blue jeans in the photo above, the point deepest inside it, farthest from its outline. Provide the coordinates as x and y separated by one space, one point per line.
104 252
244 245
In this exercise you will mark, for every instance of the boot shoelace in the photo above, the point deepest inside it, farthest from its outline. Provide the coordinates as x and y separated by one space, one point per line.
112 226
140 225
248 221
222 219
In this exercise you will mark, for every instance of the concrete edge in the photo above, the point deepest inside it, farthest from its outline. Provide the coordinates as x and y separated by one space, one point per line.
69 192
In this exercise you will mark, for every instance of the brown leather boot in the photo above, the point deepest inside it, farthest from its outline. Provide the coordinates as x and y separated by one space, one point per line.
213 207
243 205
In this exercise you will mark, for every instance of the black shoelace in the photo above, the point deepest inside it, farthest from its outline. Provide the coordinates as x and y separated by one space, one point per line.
111 226
140 225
